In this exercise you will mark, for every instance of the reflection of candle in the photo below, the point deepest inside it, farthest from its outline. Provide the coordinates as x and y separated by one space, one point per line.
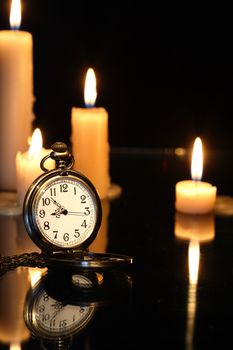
195 196
16 96
13 288
90 139
195 227
28 165
193 262
15 346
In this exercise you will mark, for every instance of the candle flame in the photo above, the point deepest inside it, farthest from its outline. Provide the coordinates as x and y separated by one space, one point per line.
90 93
193 258
197 160
15 346
15 14
36 144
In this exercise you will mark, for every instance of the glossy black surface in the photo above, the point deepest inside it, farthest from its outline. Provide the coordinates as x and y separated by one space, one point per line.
163 308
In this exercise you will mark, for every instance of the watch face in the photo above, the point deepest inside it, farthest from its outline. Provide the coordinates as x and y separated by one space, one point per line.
62 212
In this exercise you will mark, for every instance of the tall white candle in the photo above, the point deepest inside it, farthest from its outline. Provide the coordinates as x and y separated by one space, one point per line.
28 165
89 138
16 96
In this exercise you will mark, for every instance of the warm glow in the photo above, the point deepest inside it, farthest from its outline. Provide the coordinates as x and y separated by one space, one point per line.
194 257
179 151
197 160
15 14
34 275
15 346
90 93
36 144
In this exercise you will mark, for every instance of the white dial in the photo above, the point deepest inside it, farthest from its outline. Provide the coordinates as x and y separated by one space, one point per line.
65 211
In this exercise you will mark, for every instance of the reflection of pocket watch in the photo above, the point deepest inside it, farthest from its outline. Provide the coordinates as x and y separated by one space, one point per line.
60 306
62 214
54 319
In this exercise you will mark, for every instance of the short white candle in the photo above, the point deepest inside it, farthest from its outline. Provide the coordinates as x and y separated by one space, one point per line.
195 196
28 165
16 96
89 139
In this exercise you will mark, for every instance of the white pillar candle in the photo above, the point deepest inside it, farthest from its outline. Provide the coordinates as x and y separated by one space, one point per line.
100 243
28 165
89 138
195 196
16 98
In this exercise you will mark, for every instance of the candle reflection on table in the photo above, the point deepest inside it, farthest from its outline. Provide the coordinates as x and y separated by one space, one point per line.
197 230
194 227
13 288
193 263
15 284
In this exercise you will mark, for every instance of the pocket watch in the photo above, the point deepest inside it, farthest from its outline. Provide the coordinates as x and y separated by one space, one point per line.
62 209
62 214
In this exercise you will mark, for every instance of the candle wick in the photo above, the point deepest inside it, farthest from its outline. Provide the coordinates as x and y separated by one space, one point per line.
196 182
15 28
89 105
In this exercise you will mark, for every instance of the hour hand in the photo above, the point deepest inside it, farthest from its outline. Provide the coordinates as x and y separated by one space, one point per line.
61 208
60 211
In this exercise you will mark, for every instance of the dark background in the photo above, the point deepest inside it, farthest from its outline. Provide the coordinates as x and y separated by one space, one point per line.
164 73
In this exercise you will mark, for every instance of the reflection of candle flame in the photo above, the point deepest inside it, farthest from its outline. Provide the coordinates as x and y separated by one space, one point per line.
16 346
35 144
194 258
34 275
197 160
15 14
90 93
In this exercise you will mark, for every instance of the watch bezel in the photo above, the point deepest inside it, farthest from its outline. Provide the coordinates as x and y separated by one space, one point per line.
29 214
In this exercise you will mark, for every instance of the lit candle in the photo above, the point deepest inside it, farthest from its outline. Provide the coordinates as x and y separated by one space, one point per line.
16 95
90 145
28 165
195 196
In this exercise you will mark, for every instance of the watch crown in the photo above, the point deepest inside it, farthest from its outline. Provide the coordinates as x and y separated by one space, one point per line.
61 156
59 147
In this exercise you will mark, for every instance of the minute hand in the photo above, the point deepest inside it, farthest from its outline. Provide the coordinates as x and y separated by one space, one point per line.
79 213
